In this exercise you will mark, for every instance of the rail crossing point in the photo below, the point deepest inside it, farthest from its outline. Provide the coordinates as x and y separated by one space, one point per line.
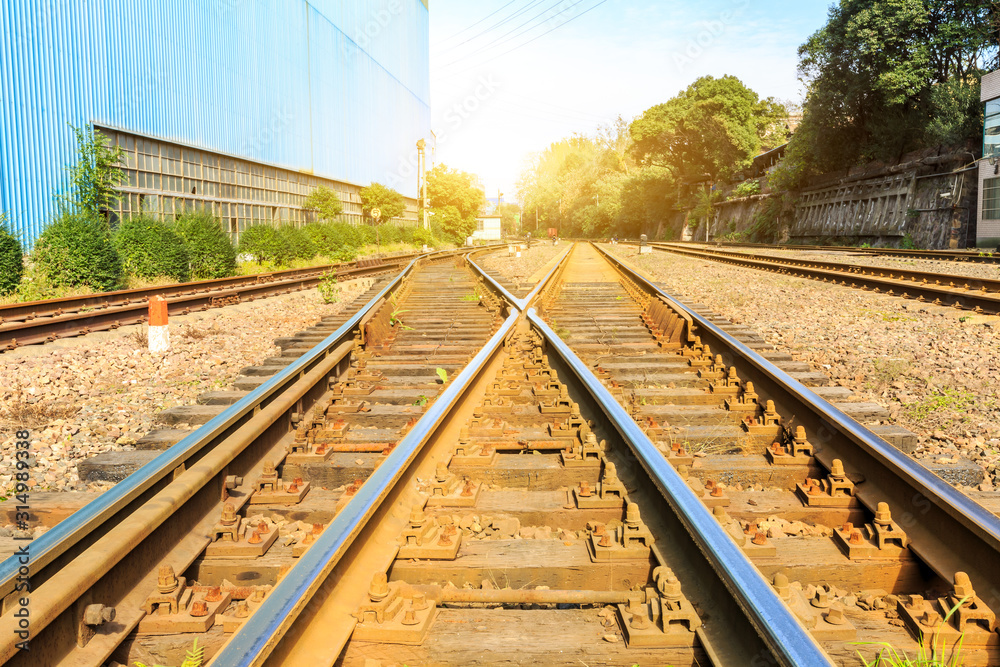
159 332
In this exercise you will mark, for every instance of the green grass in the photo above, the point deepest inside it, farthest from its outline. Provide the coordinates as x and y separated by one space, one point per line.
955 400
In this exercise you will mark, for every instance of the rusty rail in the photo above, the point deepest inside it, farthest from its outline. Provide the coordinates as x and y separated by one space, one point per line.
974 256
44 321
978 294
948 531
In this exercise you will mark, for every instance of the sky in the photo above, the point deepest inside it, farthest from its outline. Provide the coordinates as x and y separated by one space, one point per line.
508 78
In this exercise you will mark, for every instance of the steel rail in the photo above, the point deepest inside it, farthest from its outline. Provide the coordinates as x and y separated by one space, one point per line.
786 640
521 304
944 255
45 321
258 636
949 531
75 532
950 289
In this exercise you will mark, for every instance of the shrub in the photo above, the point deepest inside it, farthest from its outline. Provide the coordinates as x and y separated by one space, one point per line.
746 189
388 233
11 258
423 236
265 244
300 244
210 251
76 249
149 248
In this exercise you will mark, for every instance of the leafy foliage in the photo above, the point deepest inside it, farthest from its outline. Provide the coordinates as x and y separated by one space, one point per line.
76 249
453 226
389 202
747 188
96 174
265 244
456 200
324 201
11 258
210 251
713 128
423 236
329 289
458 189
149 248
300 244
890 76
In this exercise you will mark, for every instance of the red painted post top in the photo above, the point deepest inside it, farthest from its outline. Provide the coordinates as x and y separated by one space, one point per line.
157 311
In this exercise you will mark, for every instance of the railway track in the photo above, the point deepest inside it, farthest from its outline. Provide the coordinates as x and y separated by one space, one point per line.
977 294
445 479
45 321
975 256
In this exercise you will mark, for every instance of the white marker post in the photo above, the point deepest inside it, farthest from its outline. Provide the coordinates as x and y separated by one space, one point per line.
159 332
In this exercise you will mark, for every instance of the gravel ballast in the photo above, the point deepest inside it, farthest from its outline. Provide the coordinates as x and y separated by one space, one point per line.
98 393
517 273
935 369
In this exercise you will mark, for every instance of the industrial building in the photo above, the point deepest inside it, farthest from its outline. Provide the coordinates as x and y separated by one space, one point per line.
237 106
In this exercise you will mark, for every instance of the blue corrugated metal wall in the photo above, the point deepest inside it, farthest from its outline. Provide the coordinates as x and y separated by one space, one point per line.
339 88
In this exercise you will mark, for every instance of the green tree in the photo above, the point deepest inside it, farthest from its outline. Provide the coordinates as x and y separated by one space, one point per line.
324 201
456 200
453 225
509 216
714 127
389 202
889 76
450 187
96 175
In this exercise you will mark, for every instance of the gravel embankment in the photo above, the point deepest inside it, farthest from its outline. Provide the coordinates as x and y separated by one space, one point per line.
935 369
518 270
99 393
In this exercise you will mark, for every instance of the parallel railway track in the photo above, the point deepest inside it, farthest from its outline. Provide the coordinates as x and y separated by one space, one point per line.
974 256
45 321
978 294
458 486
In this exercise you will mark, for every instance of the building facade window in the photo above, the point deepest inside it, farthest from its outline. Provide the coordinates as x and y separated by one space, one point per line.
991 129
991 199
165 180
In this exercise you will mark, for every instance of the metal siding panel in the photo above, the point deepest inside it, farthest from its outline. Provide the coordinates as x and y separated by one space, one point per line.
240 80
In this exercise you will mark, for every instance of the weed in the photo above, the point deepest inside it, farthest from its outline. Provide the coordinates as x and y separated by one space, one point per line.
889 656
442 374
945 398
421 400
329 289
886 371
140 337
195 657
197 334
18 412
472 296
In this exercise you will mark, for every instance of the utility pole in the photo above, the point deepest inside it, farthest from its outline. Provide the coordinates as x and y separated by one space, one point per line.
422 181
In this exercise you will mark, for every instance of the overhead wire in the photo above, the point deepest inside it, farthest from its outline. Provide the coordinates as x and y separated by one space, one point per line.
503 41
479 21
513 16
500 55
